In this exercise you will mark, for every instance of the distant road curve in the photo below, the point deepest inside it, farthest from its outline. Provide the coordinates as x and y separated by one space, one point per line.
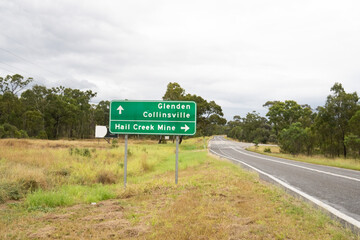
334 189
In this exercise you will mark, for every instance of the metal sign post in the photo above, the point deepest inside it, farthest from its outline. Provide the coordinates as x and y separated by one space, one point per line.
125 159
177 160
152 118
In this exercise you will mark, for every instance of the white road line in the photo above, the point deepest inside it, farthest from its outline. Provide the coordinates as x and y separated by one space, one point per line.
298 166
321 204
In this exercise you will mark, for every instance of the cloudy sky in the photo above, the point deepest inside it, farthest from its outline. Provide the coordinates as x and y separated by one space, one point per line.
238 53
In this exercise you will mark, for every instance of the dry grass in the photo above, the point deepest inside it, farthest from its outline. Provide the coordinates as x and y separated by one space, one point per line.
213 200
348 163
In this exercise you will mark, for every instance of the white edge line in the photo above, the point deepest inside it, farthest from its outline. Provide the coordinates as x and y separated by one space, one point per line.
294 165
321 204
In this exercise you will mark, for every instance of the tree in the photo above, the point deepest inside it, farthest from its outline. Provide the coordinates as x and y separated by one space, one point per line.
48 113
252 128
255 128
293 139
11 109
174 92
209 115
332 122
352 140
10 131
36 98
282 114
102 113
33 122
13 84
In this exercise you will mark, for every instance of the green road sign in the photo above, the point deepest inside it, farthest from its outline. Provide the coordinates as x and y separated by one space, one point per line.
153 117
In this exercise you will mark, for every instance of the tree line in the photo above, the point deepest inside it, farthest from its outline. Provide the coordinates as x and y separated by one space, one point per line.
48 113
332 129
59 112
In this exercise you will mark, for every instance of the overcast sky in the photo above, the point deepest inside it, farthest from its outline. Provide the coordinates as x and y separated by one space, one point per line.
238 53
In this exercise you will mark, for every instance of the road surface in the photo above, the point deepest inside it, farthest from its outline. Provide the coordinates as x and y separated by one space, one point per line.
334 189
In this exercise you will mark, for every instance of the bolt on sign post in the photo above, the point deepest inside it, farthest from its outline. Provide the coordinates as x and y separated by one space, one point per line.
153 118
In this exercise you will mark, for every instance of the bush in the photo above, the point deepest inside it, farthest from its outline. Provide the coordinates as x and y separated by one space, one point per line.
23 134
10 191
86 152
62 172
267 150
42 135
114 143
129 152
293 139
106 177
145 165
352 142
9 131
2 131
81 152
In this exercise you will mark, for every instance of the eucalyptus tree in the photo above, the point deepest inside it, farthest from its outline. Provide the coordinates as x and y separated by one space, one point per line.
332 122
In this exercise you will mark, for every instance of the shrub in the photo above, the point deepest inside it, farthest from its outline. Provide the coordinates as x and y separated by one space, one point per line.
62 172
145 166
81 152
29 184
106 177
42 135
267 150
293 139
23 134
86 152
10 191
2 131
9 131
129 152
114 143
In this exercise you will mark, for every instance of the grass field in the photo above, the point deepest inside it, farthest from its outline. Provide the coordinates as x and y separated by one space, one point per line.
74 190
348 163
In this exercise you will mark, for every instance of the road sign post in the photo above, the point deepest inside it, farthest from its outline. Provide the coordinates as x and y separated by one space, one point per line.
153 118
125 160
177 160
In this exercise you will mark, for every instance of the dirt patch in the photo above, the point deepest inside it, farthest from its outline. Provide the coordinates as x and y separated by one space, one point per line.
104 220
44 232
57 217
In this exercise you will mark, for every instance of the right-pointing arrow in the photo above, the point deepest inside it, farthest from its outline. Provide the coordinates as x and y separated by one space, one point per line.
185 127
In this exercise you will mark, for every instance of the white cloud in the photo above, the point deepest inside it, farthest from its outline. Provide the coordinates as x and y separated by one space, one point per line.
238 53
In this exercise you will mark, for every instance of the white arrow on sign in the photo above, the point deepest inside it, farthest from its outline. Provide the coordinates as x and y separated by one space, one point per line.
120 109
185 128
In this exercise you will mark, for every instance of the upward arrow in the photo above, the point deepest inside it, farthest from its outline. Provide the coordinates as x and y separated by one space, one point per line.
120 109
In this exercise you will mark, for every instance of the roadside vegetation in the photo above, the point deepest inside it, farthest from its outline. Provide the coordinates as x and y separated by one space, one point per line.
60 112
275 151
332 130
74 189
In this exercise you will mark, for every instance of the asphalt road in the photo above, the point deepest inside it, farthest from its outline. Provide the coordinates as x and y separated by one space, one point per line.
334 189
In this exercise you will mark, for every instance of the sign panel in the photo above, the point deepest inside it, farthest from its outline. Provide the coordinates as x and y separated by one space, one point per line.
153 117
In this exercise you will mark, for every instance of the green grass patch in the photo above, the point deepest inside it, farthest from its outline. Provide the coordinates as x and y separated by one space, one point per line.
68 195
